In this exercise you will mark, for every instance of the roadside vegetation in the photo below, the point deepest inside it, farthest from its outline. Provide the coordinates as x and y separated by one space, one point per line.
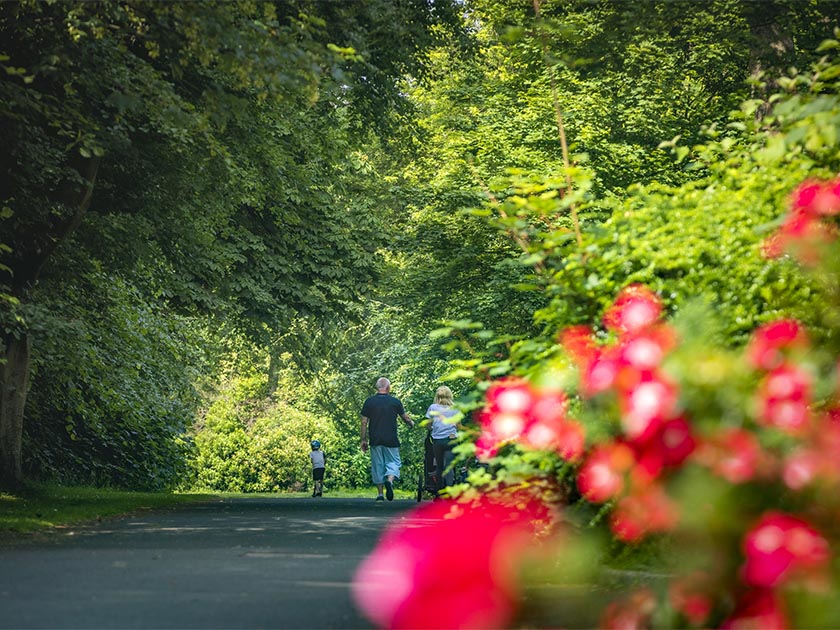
602 224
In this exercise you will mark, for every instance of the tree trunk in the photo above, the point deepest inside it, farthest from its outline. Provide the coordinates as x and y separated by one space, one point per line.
14 384
15 361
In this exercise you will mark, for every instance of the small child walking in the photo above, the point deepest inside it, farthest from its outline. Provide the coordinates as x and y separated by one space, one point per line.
318 467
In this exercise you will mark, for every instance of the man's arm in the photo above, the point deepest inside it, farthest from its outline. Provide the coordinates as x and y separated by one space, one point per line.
407 419
363 434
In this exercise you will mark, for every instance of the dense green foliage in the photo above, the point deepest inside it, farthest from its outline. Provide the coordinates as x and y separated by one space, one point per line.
225 221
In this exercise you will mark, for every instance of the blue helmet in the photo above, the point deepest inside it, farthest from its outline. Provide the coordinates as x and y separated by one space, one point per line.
315 444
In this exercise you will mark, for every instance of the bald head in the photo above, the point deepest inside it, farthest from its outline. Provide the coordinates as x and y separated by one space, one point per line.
383 385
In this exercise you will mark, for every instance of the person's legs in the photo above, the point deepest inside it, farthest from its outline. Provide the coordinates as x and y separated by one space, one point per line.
318 475
392 463
377 467
443 459
439 448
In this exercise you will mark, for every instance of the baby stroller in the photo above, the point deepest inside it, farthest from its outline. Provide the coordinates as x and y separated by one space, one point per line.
427 481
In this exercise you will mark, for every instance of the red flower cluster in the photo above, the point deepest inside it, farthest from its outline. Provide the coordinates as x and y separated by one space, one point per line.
758 609
805 231
784 395
815 459
779 546
450 565
536 418
654 435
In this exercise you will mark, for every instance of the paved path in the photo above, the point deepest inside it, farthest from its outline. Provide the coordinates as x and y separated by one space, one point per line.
238 563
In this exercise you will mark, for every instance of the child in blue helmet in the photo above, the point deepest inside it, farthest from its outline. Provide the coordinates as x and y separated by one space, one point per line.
318 467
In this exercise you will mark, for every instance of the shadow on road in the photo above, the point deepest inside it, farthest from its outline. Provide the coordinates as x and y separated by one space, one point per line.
259 562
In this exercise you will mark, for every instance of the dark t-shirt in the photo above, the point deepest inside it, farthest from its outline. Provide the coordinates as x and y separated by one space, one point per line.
383 410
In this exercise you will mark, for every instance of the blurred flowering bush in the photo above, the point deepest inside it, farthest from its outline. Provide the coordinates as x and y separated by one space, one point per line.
729 459
678 464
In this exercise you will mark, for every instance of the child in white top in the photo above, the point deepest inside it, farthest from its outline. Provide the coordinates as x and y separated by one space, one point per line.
318 467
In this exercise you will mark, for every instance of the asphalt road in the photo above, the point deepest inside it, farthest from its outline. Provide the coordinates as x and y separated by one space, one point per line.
238 563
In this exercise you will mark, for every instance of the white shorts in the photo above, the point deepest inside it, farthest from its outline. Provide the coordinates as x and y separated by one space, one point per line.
384 461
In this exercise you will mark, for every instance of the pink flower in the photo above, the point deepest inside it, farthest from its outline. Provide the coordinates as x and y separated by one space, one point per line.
601 477
768 342
668 448
801 468
566 437
632 613
778 545
505 415
601 372
579 343
645 350
537 417
646 406
821 198
733 454
804 234
636 307
448 565
691 597
643 512
784 399
757 609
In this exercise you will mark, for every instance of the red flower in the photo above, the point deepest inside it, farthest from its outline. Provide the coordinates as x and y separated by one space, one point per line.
633 613
447 565
690 597
644 351
505 415
646 406
784 397
765 350
733 454
668 448
641 513
601 373
636 307
757 609
601 477
566 437
578 342
778 545
822 198
800 468
805 235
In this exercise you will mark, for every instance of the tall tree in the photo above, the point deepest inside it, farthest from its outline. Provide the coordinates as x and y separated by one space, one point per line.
194 147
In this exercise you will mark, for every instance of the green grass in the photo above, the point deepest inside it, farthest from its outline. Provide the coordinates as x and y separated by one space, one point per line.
41 507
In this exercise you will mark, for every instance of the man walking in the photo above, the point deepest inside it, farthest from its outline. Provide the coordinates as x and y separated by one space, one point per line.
379 425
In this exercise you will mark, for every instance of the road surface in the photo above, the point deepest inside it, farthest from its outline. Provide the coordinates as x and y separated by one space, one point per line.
236 563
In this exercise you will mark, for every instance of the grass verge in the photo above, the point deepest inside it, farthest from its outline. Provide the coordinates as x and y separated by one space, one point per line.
43 507
40 507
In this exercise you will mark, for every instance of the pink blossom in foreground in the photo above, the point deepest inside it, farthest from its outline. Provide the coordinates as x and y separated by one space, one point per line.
516 410
601 477
733 454
636 307
448 565
784 399
769 342
646 406
690 596
643 512
632 613
758 609
780 545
